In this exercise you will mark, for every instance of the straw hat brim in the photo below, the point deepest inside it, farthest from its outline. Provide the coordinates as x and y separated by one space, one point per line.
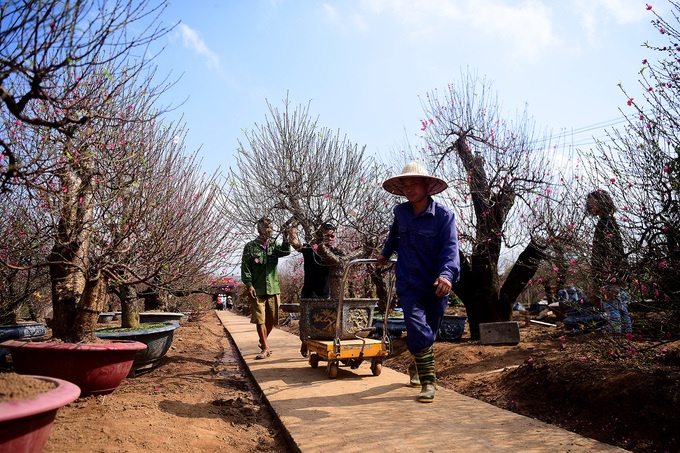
434 185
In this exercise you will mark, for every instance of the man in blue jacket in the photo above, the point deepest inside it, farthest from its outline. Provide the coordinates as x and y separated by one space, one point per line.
423 235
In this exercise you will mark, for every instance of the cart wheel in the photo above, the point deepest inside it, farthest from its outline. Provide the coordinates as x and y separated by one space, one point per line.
314 360
332 370
376 367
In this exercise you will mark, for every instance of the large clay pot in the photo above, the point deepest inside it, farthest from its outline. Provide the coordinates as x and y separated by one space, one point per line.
25 425
29 330
97 368
452 328
318 318
105 317
150 316
395 327
158 340
33 330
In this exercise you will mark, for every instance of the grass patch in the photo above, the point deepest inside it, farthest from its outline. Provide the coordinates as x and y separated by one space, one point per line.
145 326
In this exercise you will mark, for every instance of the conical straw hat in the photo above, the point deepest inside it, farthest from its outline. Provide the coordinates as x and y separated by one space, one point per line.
414 170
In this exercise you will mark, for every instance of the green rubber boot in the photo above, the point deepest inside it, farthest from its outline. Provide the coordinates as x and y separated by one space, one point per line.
414 380
426 395
424 361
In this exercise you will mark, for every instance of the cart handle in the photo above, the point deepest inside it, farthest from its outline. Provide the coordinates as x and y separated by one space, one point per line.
338 327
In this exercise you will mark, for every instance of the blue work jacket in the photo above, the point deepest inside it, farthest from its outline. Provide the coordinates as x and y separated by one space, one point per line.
426 246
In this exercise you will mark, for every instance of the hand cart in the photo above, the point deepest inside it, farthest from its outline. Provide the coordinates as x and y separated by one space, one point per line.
353 351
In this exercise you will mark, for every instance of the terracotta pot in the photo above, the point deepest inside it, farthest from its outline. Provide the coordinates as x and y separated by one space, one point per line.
97 368
158 340
25 425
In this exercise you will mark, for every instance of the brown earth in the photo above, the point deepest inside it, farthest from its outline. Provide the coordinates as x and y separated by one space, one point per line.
621 391
199 399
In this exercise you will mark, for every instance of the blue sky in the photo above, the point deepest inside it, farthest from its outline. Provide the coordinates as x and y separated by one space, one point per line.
364 64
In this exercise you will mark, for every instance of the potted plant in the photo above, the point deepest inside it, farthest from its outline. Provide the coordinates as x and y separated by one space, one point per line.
156 336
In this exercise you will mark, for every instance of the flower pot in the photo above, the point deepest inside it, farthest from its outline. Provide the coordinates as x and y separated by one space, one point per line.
158 340
32 330
25 330
105 317
160 317
318 318
25 425
395 327
97 368
452 328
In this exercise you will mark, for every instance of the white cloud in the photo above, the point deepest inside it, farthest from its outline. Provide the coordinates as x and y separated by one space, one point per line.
595 14
331 12
623 11
525 29
522 30
193 41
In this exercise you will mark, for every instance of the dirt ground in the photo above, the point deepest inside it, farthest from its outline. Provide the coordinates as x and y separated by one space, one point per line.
621 391
624 392
198 399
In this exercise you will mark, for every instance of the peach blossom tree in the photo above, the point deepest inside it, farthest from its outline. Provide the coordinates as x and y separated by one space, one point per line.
122 202
640 167
498 175
301 174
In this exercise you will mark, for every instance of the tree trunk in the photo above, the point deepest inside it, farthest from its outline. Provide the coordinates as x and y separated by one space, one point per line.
72 293
89 307
76 303
157 300
68 283
523 270
129 303
478 289
335 273
381 290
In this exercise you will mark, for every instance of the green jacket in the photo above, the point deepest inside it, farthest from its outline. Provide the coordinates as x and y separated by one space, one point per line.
259 266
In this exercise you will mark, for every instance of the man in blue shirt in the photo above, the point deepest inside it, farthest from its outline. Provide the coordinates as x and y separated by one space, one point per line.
423 234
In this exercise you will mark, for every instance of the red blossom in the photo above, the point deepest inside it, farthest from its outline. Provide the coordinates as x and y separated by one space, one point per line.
649 6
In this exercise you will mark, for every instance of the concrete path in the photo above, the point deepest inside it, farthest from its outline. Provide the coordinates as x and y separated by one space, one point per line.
359 412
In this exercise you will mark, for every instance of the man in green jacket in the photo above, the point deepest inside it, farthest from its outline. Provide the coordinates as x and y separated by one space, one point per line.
260 275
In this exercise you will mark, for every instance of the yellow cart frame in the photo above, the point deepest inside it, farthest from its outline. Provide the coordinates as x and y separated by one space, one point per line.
354 351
